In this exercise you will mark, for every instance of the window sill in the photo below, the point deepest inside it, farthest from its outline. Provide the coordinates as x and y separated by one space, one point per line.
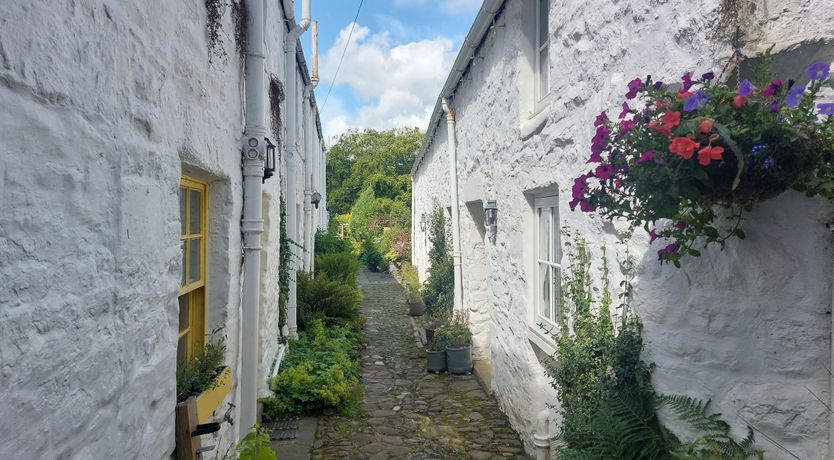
541 340
536 121
209 400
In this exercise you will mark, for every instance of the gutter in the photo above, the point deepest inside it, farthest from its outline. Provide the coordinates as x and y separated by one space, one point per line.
483 22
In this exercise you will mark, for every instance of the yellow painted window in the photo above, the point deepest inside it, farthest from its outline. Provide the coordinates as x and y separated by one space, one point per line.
192 296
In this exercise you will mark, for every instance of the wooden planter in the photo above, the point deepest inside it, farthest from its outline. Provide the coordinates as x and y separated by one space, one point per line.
208 400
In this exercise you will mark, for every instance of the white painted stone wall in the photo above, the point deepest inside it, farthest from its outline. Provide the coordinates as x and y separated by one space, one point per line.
749 327
106 103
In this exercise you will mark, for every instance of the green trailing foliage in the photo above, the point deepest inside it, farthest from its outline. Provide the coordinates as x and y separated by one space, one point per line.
339 266
200 373
438 291
285 253
319 375
332 302
608 404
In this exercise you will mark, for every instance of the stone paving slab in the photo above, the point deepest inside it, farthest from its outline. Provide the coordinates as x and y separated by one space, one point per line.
408 413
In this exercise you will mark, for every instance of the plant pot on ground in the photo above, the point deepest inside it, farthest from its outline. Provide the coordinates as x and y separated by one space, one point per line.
458 340
436 355
433 322
416 307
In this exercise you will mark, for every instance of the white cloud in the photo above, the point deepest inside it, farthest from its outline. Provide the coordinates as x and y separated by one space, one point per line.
450 6
396 84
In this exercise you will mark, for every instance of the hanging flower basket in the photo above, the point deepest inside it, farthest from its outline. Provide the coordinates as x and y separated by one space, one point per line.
670 160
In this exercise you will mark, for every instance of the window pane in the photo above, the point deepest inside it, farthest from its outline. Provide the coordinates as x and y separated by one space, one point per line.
195 206
183 191
557 293
544 284
557 245
182 350
194 261
544 234
182 249
544 73
543 16
185 301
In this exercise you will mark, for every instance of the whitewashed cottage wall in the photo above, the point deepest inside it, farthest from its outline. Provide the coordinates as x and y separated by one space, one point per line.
749 327
105 104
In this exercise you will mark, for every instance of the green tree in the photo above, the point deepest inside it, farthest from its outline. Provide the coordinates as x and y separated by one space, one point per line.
378 159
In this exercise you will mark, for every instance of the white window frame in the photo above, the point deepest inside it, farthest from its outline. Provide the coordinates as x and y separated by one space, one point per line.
541 45
542 325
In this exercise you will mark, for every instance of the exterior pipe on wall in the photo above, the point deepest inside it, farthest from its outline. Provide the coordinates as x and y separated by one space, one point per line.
453 186
308 178
292 147
252 223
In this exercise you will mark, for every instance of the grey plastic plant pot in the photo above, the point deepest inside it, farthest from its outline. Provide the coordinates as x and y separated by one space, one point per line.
435 361
416 308
459 360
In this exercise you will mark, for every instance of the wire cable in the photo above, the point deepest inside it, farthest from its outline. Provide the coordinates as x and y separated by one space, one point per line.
347 43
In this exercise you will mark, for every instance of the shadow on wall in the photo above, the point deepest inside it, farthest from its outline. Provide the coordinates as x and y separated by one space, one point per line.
750 327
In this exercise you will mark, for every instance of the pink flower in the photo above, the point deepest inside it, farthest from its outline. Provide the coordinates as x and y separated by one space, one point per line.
633 87
600 119
706 126
772 88
603 172
625 111
683 147
739 101
710 153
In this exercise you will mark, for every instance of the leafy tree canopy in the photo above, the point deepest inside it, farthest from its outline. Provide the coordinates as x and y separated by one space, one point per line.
380 159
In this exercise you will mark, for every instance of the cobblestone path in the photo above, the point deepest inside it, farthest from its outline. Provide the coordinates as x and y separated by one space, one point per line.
408 413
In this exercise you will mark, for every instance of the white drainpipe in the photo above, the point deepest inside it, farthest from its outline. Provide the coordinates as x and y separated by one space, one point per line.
252 224
293 147
543 436
453 186
308 179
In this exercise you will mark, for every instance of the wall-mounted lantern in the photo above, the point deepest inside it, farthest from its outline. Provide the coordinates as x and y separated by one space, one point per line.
315 198
491 217
269 164
423 222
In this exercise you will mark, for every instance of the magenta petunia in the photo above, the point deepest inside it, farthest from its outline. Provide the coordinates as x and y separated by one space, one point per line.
625 111
652 235
680 225
670 249
647 156
603 172
687 81
772 88
587 206
633 87
600 119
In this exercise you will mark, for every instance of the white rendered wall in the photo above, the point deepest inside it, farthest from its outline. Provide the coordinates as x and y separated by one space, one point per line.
749 327
105 105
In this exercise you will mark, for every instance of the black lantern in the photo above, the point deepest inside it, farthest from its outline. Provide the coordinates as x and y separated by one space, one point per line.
491 215
315 199
269 164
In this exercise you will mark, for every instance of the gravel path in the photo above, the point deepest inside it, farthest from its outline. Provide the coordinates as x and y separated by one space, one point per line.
408 413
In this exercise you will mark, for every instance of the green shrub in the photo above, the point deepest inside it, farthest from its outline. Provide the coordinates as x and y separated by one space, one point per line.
333 302
256 445
320 374
329 243
438 292
371 256
339 266
410 277
200 374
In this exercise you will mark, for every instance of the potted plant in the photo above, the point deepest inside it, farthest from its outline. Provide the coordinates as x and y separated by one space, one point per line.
673 157
416 307
458 340
436 354
206 377
433 322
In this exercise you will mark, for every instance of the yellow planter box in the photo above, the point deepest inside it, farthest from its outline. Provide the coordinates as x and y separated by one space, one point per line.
208 400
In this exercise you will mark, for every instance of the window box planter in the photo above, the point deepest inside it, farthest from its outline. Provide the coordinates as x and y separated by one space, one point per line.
209 400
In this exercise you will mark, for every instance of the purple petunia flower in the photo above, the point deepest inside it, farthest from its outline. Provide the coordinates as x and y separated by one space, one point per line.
687 81
696 101
625 127
633 87
772 88
652 235
603 172
657 85
708 76
774 105
794 95
745 88
600 119
826 108
625 111
670 249
647 156
818 70
586 206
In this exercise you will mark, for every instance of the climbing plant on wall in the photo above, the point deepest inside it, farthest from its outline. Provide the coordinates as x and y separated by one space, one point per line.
283 267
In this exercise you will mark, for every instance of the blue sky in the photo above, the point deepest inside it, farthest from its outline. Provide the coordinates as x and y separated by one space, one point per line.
397 60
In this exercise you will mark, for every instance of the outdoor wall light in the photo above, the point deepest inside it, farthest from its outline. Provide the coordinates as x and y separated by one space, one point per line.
269 165
491 217
315 198
423 222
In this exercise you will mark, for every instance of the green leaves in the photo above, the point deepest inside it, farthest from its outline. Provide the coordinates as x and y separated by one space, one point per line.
728 139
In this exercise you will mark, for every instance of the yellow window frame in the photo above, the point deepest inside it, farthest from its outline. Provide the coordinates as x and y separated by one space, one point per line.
192 294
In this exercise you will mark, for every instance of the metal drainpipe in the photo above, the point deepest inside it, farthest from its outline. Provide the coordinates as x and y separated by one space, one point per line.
292 150
453 185
542 436
308 179
252 223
